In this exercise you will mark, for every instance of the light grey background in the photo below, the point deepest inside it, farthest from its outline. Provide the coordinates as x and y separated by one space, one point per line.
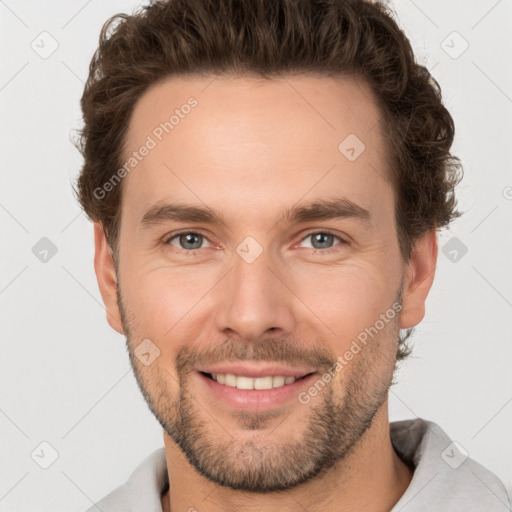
65 375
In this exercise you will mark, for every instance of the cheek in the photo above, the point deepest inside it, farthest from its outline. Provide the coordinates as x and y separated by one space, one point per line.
356 303
351 298
163 302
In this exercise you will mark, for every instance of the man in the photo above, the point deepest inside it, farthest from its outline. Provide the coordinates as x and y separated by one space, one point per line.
305 157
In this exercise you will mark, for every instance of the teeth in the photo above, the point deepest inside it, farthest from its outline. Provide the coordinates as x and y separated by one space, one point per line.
242 382
264 383
278 381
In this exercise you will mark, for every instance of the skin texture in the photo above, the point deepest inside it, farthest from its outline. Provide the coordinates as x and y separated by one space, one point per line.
249 150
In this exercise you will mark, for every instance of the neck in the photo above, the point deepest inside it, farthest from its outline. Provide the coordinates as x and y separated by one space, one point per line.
371 478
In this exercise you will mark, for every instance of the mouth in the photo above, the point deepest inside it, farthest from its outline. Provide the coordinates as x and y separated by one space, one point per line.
253 383
243 392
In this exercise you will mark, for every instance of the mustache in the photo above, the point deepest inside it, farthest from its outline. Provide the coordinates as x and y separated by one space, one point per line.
272 350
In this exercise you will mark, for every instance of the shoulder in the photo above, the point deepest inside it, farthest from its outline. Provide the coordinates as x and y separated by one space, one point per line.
115 501
142 490
445 476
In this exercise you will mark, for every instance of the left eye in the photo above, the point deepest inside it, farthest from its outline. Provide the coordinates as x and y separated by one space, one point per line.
321 239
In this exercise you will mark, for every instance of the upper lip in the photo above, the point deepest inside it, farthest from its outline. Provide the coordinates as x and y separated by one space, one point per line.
254 371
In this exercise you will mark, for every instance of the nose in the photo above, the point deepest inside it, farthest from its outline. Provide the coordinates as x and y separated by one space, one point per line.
255 301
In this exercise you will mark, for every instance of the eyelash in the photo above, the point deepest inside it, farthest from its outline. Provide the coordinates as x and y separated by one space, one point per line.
195 252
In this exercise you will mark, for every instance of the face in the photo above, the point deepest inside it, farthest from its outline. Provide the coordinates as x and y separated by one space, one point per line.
258 240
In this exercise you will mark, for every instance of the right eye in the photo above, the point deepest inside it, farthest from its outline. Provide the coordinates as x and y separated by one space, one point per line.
186 241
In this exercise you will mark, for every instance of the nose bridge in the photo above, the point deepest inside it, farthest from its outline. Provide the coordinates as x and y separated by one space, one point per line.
253 299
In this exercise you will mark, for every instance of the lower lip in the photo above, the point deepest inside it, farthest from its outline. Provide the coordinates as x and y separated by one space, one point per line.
256 399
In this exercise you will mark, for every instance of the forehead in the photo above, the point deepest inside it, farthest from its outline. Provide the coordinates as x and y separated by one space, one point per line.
252 141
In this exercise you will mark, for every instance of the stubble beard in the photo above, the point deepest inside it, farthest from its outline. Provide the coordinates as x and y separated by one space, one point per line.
334 422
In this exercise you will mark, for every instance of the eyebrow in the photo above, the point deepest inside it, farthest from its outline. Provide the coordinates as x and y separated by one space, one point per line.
328 209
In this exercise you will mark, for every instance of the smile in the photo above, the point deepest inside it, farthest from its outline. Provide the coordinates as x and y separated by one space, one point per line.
245 382
253 393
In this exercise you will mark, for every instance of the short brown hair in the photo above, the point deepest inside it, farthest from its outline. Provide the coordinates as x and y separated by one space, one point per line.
272 38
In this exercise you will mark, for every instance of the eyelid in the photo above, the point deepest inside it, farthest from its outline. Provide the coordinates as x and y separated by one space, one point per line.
167 239
342 239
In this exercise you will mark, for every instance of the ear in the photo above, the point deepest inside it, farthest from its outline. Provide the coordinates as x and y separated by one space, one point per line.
106 276
419 277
